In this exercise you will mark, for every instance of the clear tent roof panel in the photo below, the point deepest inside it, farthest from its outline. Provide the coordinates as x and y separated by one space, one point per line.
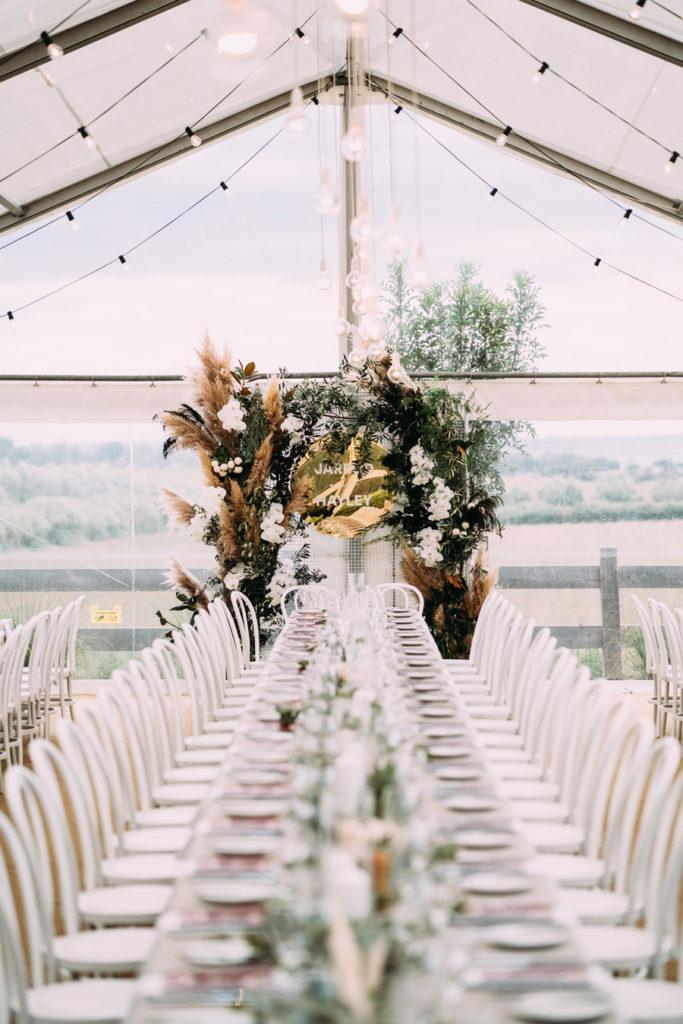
22 23
494 74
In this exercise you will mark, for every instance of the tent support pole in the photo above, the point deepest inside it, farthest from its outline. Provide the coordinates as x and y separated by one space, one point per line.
349 176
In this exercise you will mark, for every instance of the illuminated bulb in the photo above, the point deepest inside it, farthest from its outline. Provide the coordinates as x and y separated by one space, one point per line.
87 138
669 165
72 220
352 143
302 37
193 137
637 9
395 35
361 229
353 8
327 201
503 137
226 189
626 217
11 320
235 35
372 328
124 263
323 281
297 122
54 50
30 15
596 264
342 327
540 72
394 238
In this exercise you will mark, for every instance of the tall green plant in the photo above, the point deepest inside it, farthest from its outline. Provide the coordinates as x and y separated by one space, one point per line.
461 325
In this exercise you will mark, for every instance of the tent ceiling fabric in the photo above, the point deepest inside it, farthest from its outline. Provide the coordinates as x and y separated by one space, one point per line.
33 116
568 398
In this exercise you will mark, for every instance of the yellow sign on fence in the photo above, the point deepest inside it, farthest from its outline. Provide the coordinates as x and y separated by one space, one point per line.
105 616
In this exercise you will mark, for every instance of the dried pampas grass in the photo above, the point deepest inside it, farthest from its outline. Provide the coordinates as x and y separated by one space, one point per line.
212 382
415 572
244 513
187 432
185 583
272 403
482 582
177 509
228 546
300 499
260 467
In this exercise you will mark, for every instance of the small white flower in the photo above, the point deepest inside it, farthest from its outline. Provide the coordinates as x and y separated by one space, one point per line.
465 526
232 416
421 465
238 461
223 467
212 499
230 464
233 578
238 469
456 532
429 547
272 528
440 501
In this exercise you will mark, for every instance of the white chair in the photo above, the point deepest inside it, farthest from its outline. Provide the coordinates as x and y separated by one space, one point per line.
400 595
247 621
38 815
12 660
31 992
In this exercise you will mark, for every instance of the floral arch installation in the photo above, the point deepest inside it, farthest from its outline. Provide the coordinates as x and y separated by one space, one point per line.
253 439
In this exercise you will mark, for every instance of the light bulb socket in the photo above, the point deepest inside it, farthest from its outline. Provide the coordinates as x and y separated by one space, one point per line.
71 217
397 32
597 262
193 137
637 8
493 193
300 34
83 132
10 315
224 185
627 214
541 70
122 260
671 161
504 135
54 50
398 109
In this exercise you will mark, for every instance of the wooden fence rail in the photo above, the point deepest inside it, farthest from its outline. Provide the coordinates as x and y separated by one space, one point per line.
607 577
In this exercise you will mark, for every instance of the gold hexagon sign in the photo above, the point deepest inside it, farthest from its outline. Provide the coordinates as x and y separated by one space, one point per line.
344 503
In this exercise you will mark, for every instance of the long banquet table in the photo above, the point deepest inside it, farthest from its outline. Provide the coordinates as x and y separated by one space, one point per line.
479 932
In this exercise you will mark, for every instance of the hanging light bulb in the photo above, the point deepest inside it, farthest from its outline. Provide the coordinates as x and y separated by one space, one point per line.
541 70
193 137
669 165
54 50
327 201
492 195
297 122
353 8
342 326
637 9
371 328
73 223
11 320
124 263
394 238
302 37
352 143
361 228
235 34
396 34
87 138
627 216
596 264
504 135
323 281
419 275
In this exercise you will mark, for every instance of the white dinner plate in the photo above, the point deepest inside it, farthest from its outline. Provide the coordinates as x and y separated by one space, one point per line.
447 711
483 839
562 1007
240 845
459 773
250 808
525 936
217 952
448 750
234 891
491 883
473 802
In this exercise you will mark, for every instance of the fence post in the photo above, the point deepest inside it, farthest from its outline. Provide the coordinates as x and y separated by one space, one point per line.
611 624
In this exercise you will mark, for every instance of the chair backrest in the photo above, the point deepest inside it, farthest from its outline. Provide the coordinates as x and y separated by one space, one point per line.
12 660
661 653
309 596
674 643
72 634
648 635
487 613
400 595
247 620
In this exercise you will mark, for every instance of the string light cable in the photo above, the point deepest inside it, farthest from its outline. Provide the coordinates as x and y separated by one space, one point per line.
122 259
507 131
545 68
194 126
494 192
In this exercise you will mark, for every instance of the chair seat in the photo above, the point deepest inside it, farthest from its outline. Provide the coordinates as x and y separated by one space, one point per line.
594 906
174 816
213 755
180 793
156 840
617 949
539 810
191 773
105 950
216 740
143 867
124 904
574 871
556 838
91 1001
647 1002
527 789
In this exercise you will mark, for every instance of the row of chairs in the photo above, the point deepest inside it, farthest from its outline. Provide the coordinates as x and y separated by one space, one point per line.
595 793
128 772
662 631
37 663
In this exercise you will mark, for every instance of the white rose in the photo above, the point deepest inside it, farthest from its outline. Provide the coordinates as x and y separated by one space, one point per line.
232 416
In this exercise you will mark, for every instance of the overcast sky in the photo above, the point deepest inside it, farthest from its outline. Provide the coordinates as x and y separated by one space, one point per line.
245 267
